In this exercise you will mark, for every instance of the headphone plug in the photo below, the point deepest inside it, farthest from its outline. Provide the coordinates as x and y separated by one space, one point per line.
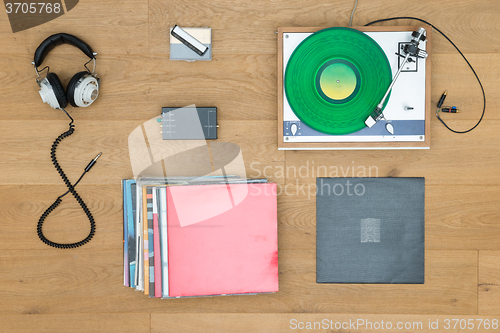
441 100
91 164
450 109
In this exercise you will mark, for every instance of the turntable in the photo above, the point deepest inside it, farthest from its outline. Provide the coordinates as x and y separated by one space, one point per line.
337 88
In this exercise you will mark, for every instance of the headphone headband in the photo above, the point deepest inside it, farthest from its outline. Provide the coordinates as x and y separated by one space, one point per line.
52 41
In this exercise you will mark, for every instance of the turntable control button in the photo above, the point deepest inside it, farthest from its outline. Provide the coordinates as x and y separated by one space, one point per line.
293 128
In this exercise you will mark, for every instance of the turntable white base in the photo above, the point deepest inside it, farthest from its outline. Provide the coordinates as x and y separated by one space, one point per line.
408 109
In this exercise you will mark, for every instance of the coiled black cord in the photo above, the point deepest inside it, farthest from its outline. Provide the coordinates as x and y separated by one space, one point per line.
71 189
463 56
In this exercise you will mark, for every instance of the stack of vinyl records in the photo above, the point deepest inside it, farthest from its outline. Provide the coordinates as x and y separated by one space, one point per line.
208 236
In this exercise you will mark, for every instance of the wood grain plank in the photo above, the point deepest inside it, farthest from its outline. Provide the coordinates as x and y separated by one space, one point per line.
453 159
489 283
326 322
138 86
42 281
462 217
47 290
129 322
67 223
450 72
459 297
465 35
111 27
456 217
27 160
249 27
243 87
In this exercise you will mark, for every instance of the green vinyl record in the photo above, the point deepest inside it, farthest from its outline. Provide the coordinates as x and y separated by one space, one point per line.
335 78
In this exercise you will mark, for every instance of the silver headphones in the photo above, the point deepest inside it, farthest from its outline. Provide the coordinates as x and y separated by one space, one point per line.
83 88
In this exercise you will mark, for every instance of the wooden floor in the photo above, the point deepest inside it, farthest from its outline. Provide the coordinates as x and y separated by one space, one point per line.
50 290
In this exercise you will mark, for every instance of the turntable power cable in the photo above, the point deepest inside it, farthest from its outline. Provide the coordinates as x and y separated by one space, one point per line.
463 56
71 189
352 14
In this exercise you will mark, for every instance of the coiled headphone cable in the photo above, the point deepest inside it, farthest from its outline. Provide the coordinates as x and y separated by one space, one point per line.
71 189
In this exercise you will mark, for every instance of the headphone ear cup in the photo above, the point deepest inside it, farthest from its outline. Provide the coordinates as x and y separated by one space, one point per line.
58 89
71 87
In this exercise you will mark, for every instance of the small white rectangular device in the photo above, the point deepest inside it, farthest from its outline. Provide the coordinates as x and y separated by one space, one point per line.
188 40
